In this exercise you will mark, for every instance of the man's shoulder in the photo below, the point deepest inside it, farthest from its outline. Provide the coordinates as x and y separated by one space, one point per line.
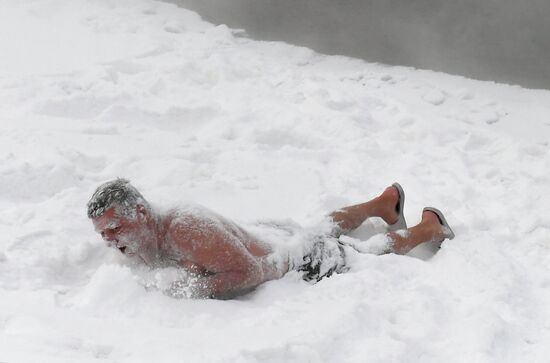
192 215
192 220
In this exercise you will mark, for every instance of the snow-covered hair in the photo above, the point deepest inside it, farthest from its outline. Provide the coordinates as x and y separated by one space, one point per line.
118 193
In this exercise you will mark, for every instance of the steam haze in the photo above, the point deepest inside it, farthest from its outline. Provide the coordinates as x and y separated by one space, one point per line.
501 40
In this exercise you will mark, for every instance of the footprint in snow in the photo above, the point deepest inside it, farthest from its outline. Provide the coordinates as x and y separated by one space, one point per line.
387 78
173 27
488 116
435 97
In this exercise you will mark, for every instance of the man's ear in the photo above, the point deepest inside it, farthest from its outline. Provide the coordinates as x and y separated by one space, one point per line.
142 213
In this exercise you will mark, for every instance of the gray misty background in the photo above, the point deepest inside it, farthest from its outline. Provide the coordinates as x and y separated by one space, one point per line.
502 40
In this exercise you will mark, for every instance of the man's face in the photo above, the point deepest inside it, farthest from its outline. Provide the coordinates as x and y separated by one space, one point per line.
129 235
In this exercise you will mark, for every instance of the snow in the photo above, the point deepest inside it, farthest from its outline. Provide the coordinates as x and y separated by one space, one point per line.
260 132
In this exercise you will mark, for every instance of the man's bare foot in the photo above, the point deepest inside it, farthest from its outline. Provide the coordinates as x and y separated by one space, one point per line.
430 229
433 228
389 203
385 206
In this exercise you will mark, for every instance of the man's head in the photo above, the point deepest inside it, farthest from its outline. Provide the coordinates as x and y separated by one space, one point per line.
122 216
118 193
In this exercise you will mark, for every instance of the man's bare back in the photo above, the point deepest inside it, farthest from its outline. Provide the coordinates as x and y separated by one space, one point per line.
226 259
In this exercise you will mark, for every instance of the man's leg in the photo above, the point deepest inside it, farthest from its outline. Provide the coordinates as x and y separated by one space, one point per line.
383 206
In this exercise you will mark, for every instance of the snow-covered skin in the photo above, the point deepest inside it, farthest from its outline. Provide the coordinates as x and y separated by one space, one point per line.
266 134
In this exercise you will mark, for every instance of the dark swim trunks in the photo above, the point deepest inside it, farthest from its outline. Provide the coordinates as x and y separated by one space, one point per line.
322 254
327 256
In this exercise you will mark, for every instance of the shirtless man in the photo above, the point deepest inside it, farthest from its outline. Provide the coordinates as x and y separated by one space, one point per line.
226 259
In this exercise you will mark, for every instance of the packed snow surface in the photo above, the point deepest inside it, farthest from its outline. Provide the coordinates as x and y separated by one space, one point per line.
264 133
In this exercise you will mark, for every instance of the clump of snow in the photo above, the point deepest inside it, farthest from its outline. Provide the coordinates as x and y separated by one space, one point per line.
274 137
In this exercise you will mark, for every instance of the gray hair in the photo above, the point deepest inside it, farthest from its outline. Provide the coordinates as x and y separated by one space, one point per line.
118 193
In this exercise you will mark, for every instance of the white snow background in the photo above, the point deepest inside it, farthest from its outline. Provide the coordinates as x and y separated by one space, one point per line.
192 112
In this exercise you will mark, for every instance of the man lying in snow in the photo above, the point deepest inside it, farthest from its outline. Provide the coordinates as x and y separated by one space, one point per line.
226 259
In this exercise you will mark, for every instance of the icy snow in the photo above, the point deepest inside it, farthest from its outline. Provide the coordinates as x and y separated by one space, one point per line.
260 131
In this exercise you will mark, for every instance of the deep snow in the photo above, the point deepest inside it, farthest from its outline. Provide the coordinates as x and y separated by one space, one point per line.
260 131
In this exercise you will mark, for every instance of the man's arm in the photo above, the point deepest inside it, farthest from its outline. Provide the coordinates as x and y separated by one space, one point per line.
207 243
